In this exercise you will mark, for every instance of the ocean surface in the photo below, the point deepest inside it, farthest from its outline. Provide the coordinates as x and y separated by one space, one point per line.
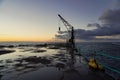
106 54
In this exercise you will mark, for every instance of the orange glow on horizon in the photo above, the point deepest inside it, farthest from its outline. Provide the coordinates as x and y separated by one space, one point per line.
24 39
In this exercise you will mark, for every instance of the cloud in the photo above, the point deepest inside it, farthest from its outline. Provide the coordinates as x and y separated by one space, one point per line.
110 27
60 36
111 17
94 25
101 30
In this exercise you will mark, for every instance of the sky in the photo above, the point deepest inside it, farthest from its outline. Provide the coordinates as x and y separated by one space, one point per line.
37 20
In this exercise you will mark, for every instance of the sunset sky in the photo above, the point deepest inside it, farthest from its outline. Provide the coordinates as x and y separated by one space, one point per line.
37 20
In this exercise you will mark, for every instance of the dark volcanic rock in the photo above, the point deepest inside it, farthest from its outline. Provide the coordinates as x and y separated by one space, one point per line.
38 51
2 46
8 46
35 59
41 45
4 51
60 65
1 66
53 47
1 76
11 46
19 65
25 45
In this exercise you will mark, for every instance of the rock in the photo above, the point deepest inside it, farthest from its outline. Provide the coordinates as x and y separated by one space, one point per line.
4 51
35 59
1 76
38 51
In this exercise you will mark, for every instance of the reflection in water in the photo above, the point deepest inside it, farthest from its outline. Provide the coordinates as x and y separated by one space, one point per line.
28 59
53 64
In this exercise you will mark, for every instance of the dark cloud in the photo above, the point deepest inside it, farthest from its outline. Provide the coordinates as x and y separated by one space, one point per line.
111 17
94 25
110 26
101 30
105 30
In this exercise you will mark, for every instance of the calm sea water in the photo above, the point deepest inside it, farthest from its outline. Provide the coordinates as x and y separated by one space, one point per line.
106 53
110 54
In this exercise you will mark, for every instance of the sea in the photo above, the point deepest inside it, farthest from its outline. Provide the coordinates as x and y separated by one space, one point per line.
106 54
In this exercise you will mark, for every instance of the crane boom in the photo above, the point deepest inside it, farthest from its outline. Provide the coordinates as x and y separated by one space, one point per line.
70 29
65 22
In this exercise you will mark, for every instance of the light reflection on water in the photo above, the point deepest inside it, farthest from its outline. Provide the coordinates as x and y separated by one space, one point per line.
10 71
10 64
21 52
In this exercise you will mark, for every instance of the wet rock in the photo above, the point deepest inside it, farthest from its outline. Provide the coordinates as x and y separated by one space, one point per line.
31 59
1 76
2 46
1 61
9 61
25 50
35 59
59 54
30 66
18 60
20 55
20 68
53 47
63 59
4 51
45 61
60 65
41 45
25 45
39 51
1 66
10 46
55 57
19 65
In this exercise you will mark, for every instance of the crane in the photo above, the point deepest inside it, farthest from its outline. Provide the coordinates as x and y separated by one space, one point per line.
70 30
71 41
